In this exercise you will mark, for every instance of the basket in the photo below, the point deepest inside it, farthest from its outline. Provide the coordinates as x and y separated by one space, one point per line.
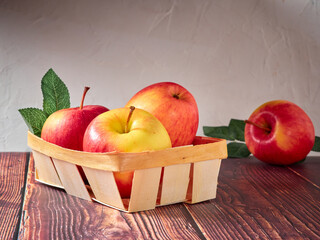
190 173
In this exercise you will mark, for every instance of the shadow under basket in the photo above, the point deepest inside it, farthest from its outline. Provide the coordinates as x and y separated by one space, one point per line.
190 173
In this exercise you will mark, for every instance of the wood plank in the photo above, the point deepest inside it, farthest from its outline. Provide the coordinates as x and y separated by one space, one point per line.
71 179
13 168
204 186
45 170
104 187
145 186
254 201
309 169
50 213
260 201
175 183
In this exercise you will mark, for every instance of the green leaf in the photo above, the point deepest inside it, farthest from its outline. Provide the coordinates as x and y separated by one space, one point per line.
217 132
316 146
236 129
34 119
55 93
237 150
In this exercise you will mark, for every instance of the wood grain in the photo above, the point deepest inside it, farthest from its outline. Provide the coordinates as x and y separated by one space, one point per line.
260 201
50 213
309 170
254 201
12 185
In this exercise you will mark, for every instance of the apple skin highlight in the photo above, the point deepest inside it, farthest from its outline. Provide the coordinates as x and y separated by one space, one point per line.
291 136
174 106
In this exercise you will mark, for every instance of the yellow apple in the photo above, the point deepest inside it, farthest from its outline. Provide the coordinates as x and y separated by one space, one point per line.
125 130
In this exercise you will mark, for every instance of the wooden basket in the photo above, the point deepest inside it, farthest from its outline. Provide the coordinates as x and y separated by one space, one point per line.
190 173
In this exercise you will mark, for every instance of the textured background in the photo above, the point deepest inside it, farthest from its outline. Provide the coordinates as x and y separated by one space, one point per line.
232 55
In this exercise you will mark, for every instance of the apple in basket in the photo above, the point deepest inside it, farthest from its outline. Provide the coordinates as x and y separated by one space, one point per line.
174 106
66 127
279 132
125 130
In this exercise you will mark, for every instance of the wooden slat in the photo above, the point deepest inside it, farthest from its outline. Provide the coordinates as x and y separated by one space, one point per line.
260 201
45 170
104 187
13 167
175 183
71 179
50 213
145 186
205 180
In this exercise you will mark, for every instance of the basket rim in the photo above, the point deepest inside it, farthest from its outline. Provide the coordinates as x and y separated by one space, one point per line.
205 148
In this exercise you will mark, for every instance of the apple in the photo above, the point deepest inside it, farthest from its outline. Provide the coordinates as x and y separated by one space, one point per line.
279 132
125 130
66 127
174 106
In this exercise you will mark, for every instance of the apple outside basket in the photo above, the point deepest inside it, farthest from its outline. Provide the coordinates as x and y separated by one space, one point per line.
190 173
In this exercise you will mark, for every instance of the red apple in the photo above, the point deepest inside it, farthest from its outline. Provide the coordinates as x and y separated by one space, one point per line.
279 132
66 127
125 130
174 106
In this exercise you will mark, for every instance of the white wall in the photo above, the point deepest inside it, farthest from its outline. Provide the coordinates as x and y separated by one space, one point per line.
232 55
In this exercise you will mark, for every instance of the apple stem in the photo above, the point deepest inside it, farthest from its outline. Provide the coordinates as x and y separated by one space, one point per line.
259 126
86 89
132 108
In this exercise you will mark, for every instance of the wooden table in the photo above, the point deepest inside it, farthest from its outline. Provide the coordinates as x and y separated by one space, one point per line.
254 201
